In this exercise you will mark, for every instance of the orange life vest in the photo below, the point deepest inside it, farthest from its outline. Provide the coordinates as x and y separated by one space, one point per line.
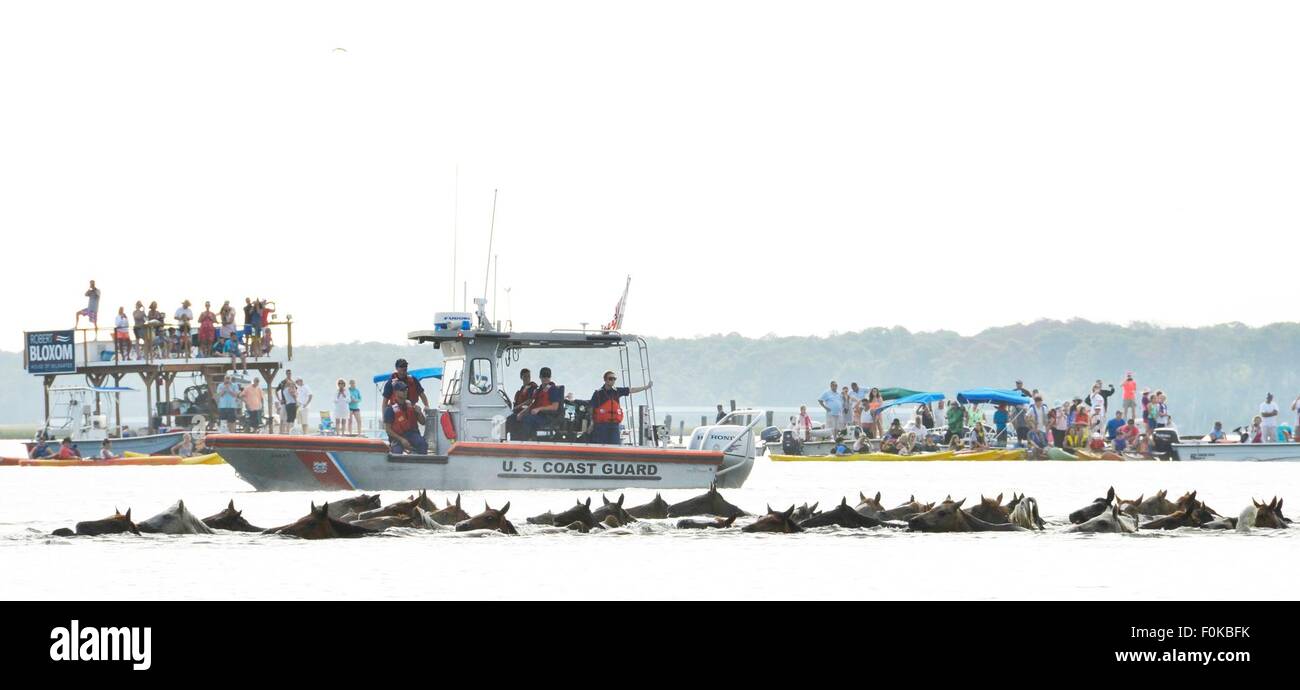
404 418
608 412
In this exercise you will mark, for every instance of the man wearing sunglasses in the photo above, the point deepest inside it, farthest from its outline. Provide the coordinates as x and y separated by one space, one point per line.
605 411
415 391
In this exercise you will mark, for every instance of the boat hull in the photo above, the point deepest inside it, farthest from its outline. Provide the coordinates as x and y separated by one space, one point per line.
148 445
1237 452
305 463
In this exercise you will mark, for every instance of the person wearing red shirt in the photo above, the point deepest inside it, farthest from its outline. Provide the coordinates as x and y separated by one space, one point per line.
67 451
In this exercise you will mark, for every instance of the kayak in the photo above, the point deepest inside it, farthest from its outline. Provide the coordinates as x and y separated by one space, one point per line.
208 459
864 457
137 461
1097 455
944 455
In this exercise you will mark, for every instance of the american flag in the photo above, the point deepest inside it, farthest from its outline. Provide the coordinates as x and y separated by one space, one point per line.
617 322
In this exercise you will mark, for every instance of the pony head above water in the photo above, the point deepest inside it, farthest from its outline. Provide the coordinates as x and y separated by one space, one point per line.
1269 515
656 509
450 515
991 510
1092 510
612 509
318 524
775 521
580 512
869 505
230 519
117 523
707 503
174 520
489 519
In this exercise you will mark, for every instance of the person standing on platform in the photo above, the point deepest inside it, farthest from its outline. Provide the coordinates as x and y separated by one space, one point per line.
354 408
253 401
606 413
1129 396
833 403
91 312
207 330
183 317
1268 412
304 405
228 403
340 412
122 335
287 396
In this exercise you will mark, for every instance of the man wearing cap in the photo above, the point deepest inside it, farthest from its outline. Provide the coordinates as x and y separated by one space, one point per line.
1019 414
545 399
605 411
184 316
414 390
1129 388
402 421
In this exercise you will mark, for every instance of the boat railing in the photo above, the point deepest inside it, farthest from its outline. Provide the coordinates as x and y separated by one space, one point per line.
95 343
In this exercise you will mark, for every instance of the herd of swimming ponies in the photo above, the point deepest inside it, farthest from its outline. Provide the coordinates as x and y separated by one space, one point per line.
363 515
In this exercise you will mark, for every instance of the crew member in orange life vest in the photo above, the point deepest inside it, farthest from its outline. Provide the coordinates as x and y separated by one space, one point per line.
605 411
546 398
523 398
402 421
414 390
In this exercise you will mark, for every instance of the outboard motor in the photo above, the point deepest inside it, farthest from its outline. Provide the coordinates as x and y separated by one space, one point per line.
1163 440
770 434
791 445
736 441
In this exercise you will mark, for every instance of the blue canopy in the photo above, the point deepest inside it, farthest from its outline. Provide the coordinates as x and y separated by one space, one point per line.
418 374
914 399
992 395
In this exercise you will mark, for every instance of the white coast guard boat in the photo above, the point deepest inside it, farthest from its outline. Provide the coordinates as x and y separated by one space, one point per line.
468 448
1236 452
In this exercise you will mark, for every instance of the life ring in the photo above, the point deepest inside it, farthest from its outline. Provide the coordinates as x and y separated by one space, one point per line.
448 429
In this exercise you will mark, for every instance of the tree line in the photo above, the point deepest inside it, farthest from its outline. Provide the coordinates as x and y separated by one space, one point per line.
1209 373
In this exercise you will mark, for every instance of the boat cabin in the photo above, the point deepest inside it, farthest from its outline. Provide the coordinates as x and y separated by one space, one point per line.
474 397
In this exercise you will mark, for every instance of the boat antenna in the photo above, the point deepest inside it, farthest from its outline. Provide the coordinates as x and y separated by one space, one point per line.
496 273
455 233
491 232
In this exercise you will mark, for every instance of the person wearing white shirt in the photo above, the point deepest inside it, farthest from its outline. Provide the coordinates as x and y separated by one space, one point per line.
1098 402
184 316
122 334
1268 412
304 404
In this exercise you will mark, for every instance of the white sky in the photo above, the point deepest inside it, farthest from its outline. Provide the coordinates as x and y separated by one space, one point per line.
758 167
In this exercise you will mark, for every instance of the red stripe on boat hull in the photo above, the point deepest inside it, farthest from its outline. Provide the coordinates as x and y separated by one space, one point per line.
323 468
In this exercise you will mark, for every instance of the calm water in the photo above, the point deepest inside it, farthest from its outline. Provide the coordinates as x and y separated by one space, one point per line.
652 560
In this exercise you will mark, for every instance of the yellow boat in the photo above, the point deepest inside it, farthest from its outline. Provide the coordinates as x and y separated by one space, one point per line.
208 459
944 455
